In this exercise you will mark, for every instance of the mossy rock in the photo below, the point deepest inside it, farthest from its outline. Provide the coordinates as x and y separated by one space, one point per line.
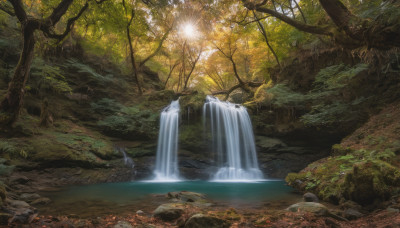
359 175
371 180
169 211
201 220
67 150
192 103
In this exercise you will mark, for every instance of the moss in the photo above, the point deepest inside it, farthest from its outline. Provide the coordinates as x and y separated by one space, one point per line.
140 152
338 150
358 175
192 103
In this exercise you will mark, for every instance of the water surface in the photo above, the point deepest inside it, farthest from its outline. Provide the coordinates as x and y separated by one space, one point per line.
98 199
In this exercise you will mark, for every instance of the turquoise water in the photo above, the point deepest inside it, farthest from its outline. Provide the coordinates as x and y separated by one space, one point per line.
138 195
221 191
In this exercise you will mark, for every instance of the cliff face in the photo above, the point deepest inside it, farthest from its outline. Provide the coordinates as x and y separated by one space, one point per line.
316 100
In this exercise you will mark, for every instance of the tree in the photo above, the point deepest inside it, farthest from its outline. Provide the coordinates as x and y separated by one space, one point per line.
228 51
138 66
349 30
11 105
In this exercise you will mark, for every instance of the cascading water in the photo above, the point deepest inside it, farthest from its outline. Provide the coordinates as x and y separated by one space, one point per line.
166 161
233 141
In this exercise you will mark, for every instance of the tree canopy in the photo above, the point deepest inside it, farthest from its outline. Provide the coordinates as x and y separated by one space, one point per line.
212 46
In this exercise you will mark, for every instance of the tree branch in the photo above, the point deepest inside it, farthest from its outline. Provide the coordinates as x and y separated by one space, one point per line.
68 28
299 25
158 48
264 33
19 10
7 10
229 91
58 12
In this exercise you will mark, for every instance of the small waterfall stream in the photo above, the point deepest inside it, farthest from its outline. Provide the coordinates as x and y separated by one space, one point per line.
166 160
232 141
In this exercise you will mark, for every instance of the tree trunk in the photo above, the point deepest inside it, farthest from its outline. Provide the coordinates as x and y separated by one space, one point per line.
13 101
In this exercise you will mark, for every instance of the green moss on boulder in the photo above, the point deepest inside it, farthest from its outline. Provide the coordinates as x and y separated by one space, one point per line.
358 175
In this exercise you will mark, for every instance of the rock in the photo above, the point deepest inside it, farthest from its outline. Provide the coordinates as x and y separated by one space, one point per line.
392 210
17 203
186 196
123 224
18 179
350 204
315 208
268 144
200 221
41 201
4 217
23 215
139 212
312 207
29 197
169 211
352 214
310 197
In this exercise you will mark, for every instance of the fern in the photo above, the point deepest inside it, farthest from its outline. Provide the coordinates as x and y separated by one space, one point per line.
282 96
45 76
85 69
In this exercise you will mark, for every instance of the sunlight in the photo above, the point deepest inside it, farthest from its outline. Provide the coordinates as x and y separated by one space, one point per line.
189 30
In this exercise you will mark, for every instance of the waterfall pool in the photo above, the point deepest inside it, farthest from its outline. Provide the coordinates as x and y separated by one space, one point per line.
118 198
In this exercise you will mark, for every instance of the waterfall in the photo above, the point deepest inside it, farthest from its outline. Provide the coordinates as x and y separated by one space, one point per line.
232 141
166 160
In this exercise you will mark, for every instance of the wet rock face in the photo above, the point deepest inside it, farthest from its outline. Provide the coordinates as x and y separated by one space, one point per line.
279 156
200 221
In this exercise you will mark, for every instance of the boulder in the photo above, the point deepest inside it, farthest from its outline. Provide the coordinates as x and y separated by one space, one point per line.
23 215
17 203
123 224
352 214
268 144
41 201
200 221
18 179
310 197
140 212
169 211
312 207
186 196
315 208
29 197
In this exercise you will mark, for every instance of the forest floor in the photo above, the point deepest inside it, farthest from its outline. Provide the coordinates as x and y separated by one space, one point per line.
263 217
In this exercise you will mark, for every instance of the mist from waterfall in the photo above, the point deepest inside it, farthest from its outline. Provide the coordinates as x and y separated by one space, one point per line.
167 160
232 141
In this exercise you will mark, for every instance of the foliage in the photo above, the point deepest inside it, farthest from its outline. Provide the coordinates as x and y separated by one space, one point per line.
331 114
325 104
127 121
88 70
46 76
347 175
106 106
282 96
12 150
336 77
